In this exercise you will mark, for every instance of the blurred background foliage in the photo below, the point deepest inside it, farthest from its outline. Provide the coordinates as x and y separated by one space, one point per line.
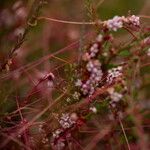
48 37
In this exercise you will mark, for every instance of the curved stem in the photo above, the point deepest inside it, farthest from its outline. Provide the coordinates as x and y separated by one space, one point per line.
65 21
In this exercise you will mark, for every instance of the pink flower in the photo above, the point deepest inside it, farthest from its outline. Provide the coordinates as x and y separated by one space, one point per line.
114 24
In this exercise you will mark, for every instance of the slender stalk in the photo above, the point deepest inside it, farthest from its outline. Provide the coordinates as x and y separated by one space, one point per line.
65 21
124 133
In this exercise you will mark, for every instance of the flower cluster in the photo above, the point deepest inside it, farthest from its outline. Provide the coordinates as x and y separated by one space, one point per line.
93 67
133 20
94 49
60 143
57 132
117 22
65 121
114 96
59 136
114 74
114 24
76 95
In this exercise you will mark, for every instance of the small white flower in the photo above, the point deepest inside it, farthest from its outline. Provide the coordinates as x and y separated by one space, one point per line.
68 100
116 97
105 54
89 66
76 95
78 83
113 74
56 133
99 38
93 109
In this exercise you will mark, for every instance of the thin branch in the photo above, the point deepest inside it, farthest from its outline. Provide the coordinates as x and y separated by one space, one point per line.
77 22
144 16
65 21
26 126
124 133
133 35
